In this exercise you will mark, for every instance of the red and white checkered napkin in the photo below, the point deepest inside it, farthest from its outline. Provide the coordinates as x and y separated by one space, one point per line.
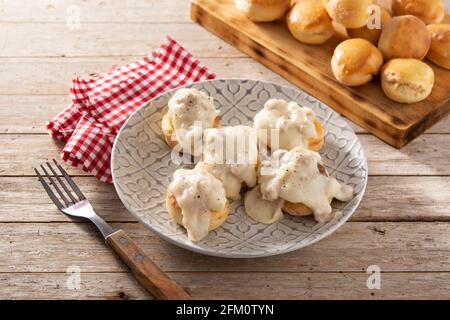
101 105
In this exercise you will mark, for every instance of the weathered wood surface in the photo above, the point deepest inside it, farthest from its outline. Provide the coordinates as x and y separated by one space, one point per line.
394 247
427 155
44 87
106 11
119 286
144 269
105 39
401 224
387 198
45 76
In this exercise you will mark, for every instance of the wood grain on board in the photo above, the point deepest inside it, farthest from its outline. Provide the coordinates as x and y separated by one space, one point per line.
309 67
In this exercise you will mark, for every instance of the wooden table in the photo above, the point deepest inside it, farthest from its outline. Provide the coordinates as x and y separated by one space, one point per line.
402 225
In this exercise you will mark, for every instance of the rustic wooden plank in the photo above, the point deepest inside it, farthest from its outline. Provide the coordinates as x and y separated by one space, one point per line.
106 39
427 155
233 286
307 66
391 198
95 11
109 286
28 113
33 89
168 11
149 275
15 147
442 126
395 247
52 76
17 195
386 199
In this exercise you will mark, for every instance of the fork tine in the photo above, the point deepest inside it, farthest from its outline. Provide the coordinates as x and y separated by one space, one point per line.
48 190
70 181
62 183
55 185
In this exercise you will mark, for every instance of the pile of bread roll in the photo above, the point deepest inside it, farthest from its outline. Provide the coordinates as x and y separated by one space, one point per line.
389 38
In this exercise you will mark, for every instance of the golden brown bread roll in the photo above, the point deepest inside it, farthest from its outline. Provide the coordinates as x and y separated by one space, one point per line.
169 131
404 37
300 209
263 10
386 4
429 11
286 125
440 44
315 144
356 61
407 80
216 218
349 13
371 34
309 22
296 209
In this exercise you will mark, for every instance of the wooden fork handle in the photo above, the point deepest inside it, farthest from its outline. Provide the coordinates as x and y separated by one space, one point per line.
144 269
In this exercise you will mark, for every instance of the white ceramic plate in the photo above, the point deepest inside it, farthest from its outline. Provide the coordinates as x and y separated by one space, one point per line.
142 170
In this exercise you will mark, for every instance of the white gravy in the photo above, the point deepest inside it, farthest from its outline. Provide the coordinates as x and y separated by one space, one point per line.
294 176
261 210
197 192
191 112
231 155
283 125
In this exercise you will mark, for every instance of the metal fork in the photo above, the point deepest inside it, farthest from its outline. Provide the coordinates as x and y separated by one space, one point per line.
71 201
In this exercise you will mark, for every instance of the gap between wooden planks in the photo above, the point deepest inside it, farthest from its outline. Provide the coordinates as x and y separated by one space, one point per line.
95 11
16 110
387 198
427 155
53 76
111 40
395 247
36 36
56 74
47 82
205 285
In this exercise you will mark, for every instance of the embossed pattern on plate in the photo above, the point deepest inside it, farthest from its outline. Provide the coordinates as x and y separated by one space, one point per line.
142 169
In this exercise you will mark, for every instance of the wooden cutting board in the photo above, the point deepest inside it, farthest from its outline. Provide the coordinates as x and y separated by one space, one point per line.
308 67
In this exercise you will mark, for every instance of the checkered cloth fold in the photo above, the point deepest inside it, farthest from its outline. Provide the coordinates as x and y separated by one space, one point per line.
101 104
